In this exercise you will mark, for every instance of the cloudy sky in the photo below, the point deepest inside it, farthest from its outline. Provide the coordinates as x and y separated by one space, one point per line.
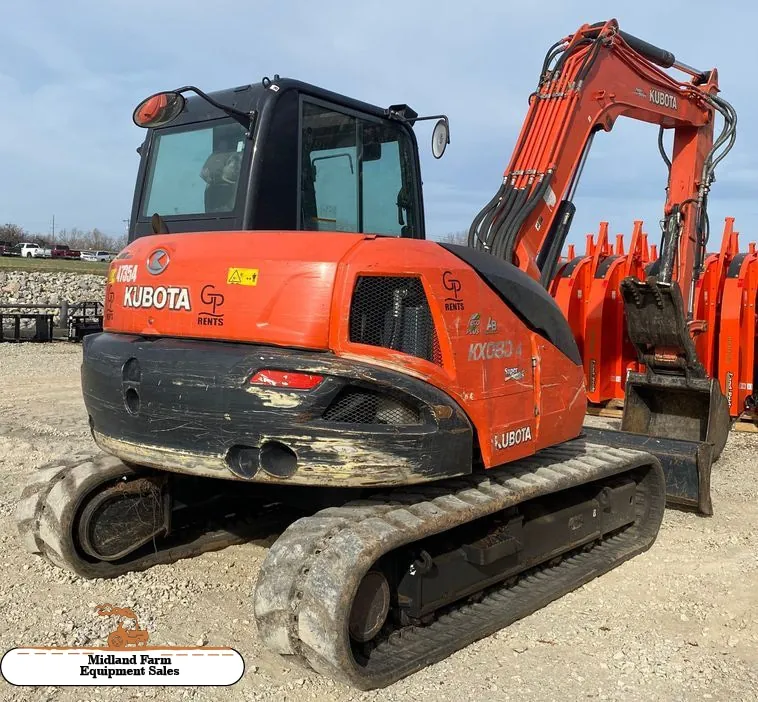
71 74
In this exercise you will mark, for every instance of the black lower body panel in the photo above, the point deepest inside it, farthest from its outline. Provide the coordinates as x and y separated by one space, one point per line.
189 406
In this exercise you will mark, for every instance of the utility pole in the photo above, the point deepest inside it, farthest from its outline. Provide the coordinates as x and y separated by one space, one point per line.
53 230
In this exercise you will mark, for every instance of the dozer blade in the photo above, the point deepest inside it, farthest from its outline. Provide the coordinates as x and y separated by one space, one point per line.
674 398
686 464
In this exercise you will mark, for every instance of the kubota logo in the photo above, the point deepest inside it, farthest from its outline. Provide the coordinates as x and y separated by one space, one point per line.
659 97
157 261
173 297
512 438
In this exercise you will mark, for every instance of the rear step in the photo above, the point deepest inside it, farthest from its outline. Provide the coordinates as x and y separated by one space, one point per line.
686 464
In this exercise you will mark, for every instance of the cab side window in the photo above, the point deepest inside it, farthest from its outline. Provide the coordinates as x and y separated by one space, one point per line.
356 174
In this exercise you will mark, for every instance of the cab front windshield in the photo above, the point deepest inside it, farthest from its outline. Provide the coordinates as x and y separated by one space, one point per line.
195 170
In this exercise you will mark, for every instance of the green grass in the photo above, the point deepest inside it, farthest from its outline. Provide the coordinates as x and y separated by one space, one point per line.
16 263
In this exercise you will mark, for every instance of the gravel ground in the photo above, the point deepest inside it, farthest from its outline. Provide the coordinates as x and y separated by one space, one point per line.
679 622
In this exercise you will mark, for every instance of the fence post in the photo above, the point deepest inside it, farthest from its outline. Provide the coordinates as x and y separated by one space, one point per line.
63 321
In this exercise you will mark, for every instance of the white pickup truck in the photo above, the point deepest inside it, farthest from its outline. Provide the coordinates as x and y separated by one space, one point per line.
97 256
25 250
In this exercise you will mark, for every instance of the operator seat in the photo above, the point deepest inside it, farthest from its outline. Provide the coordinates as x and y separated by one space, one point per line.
221 172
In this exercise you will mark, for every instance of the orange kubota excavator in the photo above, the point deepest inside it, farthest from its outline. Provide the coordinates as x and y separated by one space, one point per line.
278 332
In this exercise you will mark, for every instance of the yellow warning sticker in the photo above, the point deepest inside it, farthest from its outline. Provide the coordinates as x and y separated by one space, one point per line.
242 276
112 275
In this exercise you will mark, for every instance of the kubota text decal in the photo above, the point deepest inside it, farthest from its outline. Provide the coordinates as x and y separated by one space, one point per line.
146 296
512 438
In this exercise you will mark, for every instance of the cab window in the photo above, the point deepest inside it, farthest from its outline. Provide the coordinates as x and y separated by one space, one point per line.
195 170
356 174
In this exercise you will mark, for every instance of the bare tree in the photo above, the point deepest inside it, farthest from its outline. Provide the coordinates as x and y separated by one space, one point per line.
94 240
12 233
460 237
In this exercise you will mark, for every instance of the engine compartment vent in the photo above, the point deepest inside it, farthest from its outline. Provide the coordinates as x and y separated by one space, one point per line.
359 406
393 312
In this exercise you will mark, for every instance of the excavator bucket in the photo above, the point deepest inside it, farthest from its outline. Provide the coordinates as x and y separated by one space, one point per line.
672 408
673 398
675 407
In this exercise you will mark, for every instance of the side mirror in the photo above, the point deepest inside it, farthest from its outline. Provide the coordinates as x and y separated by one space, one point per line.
440 138
159 109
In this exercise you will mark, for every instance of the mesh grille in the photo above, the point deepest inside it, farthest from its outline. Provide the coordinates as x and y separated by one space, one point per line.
393 312
356 406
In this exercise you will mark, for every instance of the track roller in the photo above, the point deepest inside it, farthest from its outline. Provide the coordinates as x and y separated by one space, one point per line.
101 518
377 589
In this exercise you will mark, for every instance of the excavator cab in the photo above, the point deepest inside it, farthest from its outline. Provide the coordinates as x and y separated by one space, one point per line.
279 155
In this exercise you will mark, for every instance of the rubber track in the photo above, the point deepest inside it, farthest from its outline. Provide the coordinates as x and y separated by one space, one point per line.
310 575
49 503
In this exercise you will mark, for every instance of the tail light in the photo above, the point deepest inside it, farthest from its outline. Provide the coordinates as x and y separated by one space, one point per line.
286 379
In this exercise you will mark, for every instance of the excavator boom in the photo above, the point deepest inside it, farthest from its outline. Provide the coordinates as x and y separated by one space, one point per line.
588 80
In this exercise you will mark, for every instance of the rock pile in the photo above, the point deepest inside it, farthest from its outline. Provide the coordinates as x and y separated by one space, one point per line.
49 288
